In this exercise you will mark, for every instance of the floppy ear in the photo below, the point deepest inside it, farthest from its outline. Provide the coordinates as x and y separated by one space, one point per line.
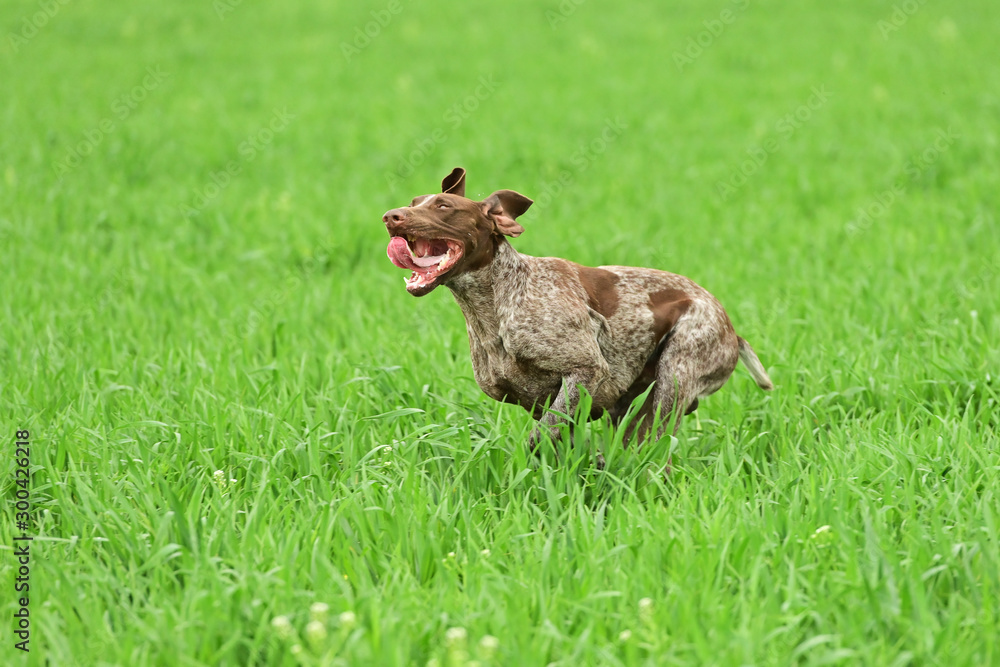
503 207
454 183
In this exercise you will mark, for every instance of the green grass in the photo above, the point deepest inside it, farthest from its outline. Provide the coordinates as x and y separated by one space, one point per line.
156 329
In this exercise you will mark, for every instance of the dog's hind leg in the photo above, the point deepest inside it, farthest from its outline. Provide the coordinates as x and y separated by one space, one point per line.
670 385
699 356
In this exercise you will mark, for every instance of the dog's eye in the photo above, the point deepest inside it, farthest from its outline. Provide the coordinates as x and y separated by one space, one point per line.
443 205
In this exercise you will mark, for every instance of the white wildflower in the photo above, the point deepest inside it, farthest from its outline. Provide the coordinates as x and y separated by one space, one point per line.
316 634
319 611
282 626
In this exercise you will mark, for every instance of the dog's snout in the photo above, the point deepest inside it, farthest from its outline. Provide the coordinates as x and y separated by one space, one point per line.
395 216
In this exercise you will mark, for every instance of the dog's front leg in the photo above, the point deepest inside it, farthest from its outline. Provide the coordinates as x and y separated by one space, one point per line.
565 404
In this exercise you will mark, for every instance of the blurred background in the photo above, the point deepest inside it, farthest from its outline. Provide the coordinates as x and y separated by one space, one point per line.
640 131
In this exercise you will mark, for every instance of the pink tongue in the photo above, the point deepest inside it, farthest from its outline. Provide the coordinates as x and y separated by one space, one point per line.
399 253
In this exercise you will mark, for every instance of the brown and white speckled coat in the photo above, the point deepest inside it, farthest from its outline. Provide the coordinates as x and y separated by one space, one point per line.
542 327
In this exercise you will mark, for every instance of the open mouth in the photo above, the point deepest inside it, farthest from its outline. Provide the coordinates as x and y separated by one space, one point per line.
429 259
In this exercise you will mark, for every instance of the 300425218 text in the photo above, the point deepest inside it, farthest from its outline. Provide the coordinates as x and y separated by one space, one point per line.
22 542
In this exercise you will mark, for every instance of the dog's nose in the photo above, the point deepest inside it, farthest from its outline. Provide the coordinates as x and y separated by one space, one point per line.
396 215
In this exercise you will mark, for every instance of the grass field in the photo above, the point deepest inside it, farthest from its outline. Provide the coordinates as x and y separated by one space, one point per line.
237 414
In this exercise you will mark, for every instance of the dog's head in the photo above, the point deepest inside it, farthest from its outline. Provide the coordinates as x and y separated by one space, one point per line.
441 236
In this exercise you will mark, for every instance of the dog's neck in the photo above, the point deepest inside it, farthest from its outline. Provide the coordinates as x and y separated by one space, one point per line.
484 308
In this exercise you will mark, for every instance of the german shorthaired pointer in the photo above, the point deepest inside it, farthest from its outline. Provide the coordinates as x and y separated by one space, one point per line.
542 327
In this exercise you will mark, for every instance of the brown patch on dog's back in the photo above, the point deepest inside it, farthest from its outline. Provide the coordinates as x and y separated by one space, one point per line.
667 305
602 293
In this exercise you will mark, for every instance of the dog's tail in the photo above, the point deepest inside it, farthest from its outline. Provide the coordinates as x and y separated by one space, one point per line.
753 365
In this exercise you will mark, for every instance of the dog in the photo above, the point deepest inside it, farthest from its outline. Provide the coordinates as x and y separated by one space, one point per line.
543 328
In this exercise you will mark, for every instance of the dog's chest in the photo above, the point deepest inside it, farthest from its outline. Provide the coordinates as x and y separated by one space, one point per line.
505 377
